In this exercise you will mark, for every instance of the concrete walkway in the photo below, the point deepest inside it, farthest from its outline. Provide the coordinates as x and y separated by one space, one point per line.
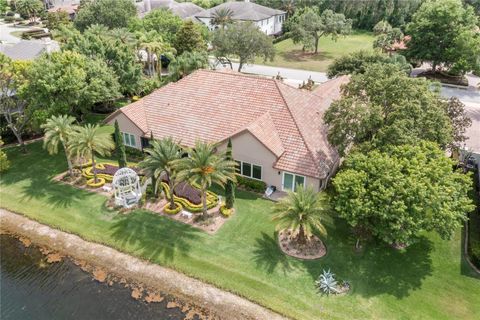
5 33
224 304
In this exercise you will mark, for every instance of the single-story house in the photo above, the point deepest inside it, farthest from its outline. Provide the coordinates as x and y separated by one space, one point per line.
268 20
277 131
184 10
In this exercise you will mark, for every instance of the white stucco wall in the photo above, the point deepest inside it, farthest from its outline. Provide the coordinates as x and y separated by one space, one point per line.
128 126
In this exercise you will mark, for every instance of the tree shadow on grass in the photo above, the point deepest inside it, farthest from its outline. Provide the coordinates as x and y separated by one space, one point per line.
156 238
268 256
305 56
380 269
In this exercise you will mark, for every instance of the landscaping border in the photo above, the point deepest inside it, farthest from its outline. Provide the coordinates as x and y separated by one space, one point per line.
224 304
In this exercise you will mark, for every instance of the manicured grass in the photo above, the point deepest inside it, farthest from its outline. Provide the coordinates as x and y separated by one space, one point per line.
290 55
430 280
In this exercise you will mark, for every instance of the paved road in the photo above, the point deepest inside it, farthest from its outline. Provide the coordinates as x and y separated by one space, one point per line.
297 76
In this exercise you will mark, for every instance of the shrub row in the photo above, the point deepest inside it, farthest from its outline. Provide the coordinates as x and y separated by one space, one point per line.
225 211
177 209
212 200
251 184
91 182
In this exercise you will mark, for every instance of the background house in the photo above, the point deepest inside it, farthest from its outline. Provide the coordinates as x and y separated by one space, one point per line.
270 21
184 10
277 131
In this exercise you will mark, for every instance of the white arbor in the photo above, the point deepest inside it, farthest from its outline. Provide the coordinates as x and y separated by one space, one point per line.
126 185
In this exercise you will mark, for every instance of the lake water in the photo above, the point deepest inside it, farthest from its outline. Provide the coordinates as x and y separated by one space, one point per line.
30 288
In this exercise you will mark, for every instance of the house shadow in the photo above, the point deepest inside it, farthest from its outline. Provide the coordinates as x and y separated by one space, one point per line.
380 269
154 237
268 256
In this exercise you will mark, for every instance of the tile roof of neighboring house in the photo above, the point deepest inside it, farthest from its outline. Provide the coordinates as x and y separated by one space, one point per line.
28 49
242 10
215 105
183 10
68 8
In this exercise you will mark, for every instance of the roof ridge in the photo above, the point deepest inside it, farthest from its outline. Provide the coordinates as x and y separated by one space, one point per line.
293 117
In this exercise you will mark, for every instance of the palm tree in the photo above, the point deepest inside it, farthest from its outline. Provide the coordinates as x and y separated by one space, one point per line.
58 130
88 140
155 46
204 167
161 158
186 63
301 213
222 17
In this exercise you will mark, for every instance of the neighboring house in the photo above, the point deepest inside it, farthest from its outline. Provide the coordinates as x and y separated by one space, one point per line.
270 21
277 131
29 49
184 10
70 9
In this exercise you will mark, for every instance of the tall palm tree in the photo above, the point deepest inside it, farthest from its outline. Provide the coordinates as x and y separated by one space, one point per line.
301 213
204 167
88 140
222 17
57 131
155 46
161 157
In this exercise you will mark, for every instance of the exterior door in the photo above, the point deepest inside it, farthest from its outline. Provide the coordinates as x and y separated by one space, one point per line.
292 181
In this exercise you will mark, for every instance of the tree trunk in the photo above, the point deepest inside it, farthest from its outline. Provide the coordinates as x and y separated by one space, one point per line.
316 45
69 162
240 65
434 66
301 236
357 244
20 141
172 201
204 201
94 169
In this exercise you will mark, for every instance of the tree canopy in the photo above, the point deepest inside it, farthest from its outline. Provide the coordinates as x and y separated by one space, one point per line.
382 107
310 26
163 21
444 32
68 82
398 193
116 47
190 38
244 41
110 13
29 8
357 62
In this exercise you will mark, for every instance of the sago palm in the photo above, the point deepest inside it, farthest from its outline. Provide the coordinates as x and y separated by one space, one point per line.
88 140
161 157
301 213
57 131
205 167
222 17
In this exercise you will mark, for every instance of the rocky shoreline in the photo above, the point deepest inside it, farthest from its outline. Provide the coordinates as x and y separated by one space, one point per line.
220 304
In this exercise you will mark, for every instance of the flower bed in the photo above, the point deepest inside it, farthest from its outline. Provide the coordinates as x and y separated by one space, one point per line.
104 170
212 199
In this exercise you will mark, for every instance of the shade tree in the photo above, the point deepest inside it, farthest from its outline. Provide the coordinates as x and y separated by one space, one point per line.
110 13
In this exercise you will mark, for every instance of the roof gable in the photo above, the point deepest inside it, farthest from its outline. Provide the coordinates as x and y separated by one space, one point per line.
242 10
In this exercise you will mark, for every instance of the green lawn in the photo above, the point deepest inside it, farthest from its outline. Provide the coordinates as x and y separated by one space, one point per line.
289 55
428 281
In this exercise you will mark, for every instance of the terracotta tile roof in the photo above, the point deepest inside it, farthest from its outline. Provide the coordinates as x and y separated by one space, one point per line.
215 105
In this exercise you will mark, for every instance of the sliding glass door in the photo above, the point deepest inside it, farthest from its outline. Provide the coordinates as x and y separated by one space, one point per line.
292 181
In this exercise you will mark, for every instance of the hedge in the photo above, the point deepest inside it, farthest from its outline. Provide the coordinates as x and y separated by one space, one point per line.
251 184
177 209
226 212
212 200
91 182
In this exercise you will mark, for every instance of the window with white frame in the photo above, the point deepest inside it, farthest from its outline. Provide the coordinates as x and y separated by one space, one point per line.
128 139
249 170
291 182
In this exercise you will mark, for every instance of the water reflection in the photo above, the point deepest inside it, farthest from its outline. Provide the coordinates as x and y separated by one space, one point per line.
30 288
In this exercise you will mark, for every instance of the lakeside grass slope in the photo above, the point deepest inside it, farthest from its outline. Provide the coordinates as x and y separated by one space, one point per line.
430 280
290 55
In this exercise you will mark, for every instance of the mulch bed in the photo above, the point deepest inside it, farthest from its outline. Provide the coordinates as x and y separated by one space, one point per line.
314 249
77 183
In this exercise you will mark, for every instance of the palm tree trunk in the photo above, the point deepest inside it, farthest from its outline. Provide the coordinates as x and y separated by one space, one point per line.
301 236
204 201
94 169
172 201
69 162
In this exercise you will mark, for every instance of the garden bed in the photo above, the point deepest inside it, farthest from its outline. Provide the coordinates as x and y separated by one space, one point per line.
211 225
445 78
314 249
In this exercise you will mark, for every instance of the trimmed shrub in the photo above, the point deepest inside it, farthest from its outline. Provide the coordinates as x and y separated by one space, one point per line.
134 153
177 209
251 184
226 212
100 182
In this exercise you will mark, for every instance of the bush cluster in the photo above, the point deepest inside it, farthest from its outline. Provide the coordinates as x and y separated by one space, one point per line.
251 184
